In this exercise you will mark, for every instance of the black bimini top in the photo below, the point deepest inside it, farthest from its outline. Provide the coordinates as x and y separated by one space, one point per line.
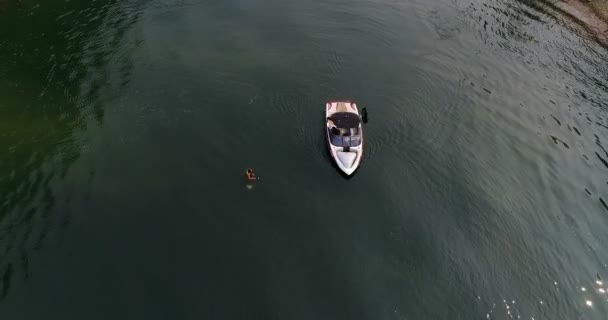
346 120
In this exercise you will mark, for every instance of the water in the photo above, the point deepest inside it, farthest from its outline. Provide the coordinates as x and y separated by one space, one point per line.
126 126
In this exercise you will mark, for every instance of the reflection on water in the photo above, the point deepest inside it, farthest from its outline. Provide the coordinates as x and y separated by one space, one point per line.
509 309
546 119
567 58
53 68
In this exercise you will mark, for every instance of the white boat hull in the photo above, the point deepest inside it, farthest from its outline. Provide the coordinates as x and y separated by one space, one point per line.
347 159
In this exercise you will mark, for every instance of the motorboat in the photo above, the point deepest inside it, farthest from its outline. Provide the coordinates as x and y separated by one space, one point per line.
344 135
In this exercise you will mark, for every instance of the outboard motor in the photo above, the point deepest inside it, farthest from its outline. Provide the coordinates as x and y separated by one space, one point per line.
364 115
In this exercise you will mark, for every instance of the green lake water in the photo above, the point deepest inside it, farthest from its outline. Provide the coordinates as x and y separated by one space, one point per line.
126 127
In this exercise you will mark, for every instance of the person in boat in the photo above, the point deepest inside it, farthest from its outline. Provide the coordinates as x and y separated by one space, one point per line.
344 132
332 127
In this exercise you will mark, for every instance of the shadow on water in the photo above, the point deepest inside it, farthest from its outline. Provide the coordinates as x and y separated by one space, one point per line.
53 57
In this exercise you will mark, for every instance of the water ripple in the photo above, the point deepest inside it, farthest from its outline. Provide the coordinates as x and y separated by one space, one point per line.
73 47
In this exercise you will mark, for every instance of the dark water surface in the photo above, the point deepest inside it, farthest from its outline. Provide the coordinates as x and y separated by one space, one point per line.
125 128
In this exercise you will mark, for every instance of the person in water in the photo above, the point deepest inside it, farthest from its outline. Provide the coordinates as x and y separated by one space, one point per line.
250 175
